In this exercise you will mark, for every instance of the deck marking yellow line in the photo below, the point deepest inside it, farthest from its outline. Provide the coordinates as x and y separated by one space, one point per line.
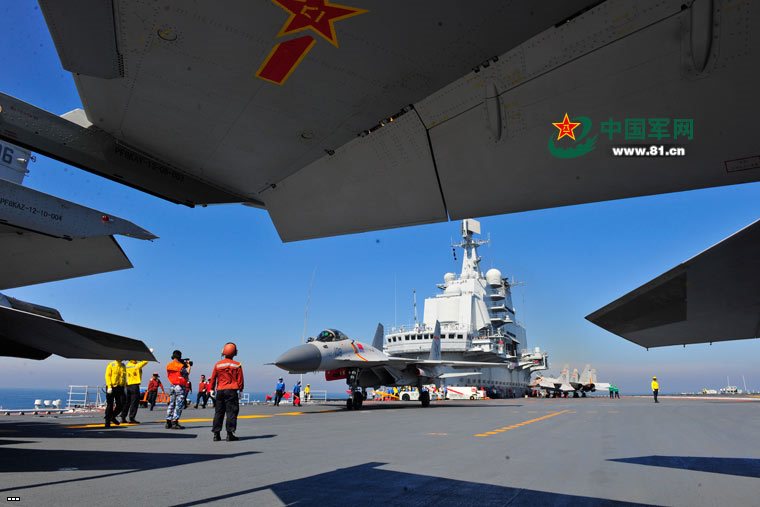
519 425
204 419
100 425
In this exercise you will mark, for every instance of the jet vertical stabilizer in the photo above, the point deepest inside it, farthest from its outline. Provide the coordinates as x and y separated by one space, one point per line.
587 377
377 341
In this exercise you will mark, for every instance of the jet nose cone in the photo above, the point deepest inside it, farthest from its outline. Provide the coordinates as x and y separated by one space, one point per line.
300 359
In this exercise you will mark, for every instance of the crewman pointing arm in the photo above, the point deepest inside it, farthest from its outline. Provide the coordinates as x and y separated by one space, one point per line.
134 379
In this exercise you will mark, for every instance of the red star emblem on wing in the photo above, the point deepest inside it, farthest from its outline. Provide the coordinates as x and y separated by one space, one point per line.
317 15
566 128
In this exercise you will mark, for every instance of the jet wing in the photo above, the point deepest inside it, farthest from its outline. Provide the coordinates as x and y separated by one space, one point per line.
546 384
31 336
713 296
45 238
335 127
28 258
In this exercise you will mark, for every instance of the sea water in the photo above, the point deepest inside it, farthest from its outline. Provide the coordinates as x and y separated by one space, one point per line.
15 398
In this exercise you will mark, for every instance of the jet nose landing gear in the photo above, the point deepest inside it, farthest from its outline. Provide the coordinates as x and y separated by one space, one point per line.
354 402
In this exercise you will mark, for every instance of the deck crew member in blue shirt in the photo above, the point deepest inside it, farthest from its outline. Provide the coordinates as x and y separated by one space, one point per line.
279 390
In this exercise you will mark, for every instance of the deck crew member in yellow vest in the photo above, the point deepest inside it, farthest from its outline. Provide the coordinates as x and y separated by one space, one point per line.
134 379
116 379
655 388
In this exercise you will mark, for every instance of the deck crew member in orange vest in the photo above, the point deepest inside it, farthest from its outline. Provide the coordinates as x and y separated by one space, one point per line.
178 373
226 381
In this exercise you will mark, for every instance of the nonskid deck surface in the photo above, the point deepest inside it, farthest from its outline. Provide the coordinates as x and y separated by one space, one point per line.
517 452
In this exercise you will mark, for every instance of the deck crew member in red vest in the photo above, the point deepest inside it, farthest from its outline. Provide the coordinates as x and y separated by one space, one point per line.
202 392
226 381
209 394
153 386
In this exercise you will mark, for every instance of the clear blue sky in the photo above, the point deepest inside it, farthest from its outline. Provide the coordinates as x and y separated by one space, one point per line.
221 273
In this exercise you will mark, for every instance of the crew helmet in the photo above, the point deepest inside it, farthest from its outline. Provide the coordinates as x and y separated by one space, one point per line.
230 349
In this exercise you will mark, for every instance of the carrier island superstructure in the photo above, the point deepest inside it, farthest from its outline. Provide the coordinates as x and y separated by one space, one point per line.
478 323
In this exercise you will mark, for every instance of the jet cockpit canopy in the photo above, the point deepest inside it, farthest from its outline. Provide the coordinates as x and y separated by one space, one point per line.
331 335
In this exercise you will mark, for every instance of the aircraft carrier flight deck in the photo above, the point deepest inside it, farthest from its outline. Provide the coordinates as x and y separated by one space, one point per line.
593 451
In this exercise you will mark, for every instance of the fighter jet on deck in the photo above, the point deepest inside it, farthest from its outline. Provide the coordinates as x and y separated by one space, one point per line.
574 383
366 366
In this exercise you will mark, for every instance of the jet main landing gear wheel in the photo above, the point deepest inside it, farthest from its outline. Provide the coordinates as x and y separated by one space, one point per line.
425 398
358 399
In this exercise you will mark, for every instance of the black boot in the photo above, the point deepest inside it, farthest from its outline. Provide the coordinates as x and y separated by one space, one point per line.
115 421
134 421
168 424
217 436
231 437
176 426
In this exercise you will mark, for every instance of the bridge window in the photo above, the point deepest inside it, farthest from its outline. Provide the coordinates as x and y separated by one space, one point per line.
459 337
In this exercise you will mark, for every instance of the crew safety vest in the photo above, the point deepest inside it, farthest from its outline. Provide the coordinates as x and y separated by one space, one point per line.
134 372
115 374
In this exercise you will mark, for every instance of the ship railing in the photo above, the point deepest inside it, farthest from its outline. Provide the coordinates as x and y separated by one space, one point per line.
85 397
428 329
315 395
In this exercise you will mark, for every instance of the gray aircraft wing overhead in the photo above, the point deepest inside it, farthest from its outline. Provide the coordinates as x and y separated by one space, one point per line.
40 332
312 111
45 238
713 296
